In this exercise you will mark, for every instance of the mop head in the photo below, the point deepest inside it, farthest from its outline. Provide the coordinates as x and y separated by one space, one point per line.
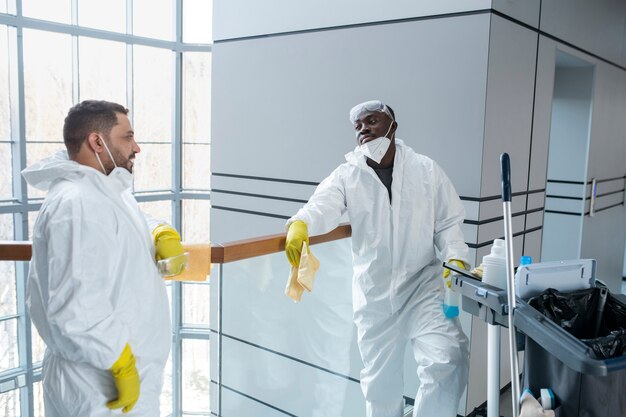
530 407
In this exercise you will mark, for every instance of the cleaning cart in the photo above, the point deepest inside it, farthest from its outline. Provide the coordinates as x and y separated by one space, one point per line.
584 383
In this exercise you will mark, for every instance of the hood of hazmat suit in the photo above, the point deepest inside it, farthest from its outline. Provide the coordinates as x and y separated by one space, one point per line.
92 287
397 285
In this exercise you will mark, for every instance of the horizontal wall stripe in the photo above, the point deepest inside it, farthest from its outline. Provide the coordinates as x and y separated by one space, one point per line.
587 182
256 213
271 197
564 197
355 25
287 181
495 219
349 378
610 193
569 213
606 208
248 177
489 242
609 179
497 197
565 182
273 407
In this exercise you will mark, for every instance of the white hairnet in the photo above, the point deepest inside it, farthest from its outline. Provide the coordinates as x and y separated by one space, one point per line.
372 105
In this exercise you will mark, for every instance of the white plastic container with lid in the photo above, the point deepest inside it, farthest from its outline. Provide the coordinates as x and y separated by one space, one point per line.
494 265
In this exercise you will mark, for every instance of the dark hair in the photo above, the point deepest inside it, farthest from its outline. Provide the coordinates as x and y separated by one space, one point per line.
87 117
391 111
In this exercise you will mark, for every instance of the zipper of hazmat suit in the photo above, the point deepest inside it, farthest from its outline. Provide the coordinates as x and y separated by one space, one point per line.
392 285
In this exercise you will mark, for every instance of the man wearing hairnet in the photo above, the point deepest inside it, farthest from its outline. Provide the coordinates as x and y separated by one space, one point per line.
406 218
94 293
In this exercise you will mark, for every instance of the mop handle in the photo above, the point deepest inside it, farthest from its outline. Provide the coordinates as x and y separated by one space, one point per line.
505 169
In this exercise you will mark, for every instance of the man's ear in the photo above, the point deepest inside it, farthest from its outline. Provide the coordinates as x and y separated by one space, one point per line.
94 141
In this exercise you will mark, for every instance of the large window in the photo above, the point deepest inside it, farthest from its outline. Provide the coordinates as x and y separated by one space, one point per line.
154 57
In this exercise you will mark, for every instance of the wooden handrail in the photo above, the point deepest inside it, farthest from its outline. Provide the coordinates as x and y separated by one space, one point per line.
220 253
15 251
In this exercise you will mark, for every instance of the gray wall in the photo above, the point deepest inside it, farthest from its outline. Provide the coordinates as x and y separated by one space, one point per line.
465 88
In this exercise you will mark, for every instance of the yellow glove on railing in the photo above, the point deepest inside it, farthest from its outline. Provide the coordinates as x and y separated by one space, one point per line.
296 235
167 245
126 380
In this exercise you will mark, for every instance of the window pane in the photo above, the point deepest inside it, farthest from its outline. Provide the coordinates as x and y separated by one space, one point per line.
154 18
39 347
105 15
197 97
196 376
10 404
8 294
6 227
153 85
47 83
55 10
166 392
196 166
5 119
36 152
160 210
6 171
197 18
196 303
196 220
38 399
153 167
8 345
98 81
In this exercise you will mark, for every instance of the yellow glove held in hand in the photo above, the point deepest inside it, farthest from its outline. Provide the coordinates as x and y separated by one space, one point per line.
296 235
446 272
166 242
126 380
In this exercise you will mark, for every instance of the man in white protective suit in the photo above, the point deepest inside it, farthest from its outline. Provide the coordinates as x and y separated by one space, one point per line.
406 218
94 292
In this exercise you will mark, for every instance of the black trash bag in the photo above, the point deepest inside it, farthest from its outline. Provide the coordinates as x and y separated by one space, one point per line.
592 315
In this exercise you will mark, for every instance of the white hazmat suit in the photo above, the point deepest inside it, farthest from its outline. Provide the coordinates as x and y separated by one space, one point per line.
93 287
397 289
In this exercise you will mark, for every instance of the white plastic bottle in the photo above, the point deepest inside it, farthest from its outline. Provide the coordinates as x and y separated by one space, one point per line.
494 265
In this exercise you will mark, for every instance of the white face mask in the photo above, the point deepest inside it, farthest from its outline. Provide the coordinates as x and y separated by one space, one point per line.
377 148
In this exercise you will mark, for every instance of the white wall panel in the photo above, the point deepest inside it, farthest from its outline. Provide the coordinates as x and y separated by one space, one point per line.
544 87
241 18
284 101
510 87
229 226
595 26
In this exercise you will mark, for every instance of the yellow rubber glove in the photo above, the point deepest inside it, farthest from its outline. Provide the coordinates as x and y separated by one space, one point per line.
296 235
126 380
167 245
